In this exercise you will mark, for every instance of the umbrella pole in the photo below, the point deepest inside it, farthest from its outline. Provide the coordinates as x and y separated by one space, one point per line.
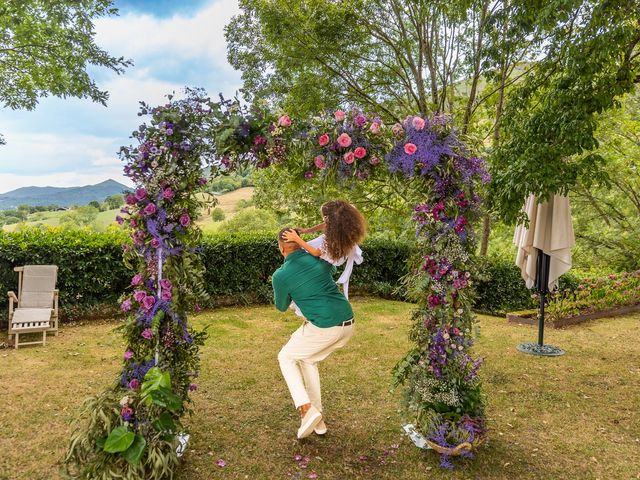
543 264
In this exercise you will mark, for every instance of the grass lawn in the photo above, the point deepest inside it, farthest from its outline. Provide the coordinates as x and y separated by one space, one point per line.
571 417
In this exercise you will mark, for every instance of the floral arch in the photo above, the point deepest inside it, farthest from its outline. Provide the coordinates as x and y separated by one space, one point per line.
133 429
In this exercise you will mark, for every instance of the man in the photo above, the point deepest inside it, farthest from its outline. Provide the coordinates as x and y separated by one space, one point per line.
308 281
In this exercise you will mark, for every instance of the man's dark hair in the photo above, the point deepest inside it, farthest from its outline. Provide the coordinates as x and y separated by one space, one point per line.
281 234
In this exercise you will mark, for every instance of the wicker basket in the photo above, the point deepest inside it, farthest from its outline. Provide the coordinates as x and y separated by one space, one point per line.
455 451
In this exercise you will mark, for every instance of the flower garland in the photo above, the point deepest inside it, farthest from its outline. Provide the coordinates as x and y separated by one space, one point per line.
443 391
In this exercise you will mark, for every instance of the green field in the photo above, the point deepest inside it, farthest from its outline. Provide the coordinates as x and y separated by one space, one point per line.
570 417
228 202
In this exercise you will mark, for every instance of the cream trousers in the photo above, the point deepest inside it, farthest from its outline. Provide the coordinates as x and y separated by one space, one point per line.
299 359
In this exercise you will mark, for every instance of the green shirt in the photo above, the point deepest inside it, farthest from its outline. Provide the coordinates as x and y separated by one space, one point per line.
308 281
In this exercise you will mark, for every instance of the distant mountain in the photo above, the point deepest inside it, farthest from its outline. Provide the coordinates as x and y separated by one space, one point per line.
64 197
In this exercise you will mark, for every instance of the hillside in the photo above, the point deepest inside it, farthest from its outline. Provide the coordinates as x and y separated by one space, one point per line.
64 197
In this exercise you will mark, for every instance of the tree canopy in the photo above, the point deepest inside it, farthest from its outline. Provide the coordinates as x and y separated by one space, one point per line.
47 48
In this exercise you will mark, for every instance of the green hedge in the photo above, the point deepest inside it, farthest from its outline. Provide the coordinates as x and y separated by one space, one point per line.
92 275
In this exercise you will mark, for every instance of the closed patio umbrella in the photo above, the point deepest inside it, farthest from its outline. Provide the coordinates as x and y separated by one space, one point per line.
544 253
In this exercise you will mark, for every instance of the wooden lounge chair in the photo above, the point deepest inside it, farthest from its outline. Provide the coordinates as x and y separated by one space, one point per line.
37 303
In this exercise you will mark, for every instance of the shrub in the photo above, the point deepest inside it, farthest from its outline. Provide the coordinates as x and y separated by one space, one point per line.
500 287
90 268
217 215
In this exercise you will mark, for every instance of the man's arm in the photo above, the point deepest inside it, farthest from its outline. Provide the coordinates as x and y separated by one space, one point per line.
281 297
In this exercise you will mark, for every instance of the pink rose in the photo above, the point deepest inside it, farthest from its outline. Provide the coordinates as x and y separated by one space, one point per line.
319 162
150 209
375 128
131 199
166 295
349 158
166 284
374 161
139 295
155 243
344 140
147 333
185 220
137 279
284 121
323 140
148 302
410 148
134 384
397 129
167 193
128 355
141 193
360 152
418 123
339 115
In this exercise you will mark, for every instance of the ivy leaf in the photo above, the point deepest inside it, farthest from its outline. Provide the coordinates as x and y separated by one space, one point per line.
119 440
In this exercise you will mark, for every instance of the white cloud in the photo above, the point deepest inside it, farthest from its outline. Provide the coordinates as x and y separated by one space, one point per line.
67 142
199 36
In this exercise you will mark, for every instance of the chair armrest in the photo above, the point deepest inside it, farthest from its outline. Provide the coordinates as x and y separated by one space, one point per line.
12 297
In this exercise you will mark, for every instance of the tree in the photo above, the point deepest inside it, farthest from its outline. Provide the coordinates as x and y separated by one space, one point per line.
47 48
114 201
548 127
79 217
251 220
607 218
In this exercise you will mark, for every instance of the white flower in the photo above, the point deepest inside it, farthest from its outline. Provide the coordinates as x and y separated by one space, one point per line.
445 335
124 400
154 164
460 311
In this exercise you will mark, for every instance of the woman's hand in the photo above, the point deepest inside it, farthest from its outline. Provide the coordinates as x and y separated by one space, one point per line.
291 236
301 230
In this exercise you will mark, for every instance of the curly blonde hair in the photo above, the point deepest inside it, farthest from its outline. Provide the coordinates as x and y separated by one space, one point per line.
345 226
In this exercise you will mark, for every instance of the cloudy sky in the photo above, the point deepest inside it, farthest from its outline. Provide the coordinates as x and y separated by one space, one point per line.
74 142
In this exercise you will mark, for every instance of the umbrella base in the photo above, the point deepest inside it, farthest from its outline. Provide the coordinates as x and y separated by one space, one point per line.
540 350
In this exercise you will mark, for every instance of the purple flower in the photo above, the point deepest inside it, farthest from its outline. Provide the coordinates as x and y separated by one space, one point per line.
131 199
221 463
169 131
193 387
308 174
126 305
165 283
147 333
202 181
128 355
137 279
119 219
360 120
126 413
134 384
185 220
140 194
148 302
166 295
150 209
168 193
155 243
139 295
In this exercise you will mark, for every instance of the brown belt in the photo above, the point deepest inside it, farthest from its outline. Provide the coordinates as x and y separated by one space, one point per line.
347 322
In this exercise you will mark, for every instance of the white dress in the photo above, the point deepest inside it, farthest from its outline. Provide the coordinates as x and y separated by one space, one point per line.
353 257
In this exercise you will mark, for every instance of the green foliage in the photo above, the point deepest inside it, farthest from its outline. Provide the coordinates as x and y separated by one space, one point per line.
90 268
114 201
500 287
48 48
217 214
119 440
549 124
595 294
80 216
250 220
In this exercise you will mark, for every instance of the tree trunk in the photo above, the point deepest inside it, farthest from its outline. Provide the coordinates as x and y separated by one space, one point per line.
486 231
